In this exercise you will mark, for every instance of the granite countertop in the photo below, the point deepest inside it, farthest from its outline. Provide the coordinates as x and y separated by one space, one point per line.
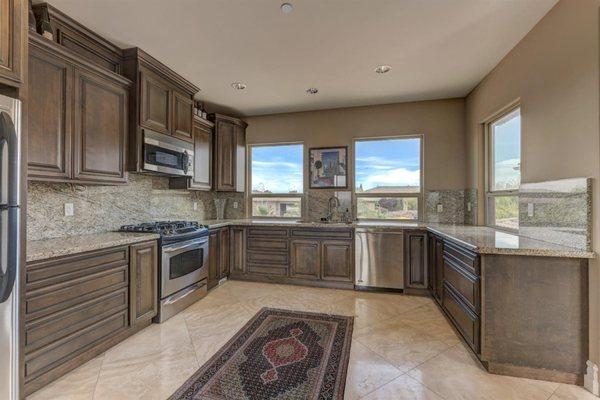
50 248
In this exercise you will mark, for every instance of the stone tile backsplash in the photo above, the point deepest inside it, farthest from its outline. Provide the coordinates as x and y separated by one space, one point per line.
452 204
105 208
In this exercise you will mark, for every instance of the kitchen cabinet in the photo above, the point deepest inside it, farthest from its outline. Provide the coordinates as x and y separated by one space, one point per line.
229 164
77 118
161 101
436 266
338 261
143 282
13 20
305 259
78 306
415 263
219 256
238 250
224 253
203 159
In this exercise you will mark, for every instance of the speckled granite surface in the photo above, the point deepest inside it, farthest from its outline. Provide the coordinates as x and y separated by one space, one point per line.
453 203
50 248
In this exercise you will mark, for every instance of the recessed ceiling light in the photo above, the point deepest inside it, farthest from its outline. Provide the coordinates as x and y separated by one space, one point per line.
382 69
312 90
287 8
238 85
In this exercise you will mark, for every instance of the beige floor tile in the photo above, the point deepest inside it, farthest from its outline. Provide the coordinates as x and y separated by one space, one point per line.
254 305
454 374
79 384
248 290
429 319
571 392
367 371
390 304
217 319
403 388
401 344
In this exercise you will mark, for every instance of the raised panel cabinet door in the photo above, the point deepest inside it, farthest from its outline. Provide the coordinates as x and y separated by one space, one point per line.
238 253
224 247
431 263
214 259
100 129
305 259
10 40
415 265
49 114
143 267
337 261
182 116
225 160
155 103
203 149
439 268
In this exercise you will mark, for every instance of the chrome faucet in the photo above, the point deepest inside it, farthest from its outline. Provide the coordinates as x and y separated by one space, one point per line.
336 203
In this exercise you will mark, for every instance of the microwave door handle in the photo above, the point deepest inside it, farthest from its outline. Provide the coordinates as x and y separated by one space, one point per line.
185 161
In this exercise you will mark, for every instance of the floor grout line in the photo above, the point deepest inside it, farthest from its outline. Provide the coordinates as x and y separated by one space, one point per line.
379 387
98 377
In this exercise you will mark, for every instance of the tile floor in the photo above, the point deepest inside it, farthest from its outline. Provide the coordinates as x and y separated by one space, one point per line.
402 348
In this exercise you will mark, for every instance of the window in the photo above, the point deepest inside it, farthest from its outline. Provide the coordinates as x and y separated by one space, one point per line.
504 170
388 178
276 179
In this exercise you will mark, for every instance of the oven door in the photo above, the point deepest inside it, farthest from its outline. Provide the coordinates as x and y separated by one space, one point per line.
183 264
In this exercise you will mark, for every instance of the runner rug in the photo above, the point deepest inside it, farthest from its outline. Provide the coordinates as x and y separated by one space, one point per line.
278 354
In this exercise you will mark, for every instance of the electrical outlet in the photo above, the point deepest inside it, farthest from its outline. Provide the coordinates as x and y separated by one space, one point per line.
440 208
69 209
530 209
195 205
235 204
469 206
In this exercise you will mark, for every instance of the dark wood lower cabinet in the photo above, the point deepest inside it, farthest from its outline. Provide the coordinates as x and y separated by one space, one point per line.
305 259
337 261
78 306
415 262
219 258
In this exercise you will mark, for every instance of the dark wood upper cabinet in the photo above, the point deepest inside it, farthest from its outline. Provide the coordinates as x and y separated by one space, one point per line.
78 113
100 129
338 261
161 101
13 22
415 263
143 282
203 159
49 153
230 153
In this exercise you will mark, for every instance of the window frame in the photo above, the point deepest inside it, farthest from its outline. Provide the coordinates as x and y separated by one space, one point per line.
418 195
491 194
251 195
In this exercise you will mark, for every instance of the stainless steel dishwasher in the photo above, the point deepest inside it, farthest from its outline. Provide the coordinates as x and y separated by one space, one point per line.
379 258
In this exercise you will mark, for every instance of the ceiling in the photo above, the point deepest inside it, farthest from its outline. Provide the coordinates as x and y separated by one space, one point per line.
436 48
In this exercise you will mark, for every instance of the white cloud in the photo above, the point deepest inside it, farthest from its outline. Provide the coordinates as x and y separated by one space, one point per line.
275 164
394 177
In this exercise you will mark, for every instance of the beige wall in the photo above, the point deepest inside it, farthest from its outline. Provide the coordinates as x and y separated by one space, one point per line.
441 122
553 71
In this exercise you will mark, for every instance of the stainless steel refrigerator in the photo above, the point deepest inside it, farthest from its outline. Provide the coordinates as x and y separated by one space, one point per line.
10 201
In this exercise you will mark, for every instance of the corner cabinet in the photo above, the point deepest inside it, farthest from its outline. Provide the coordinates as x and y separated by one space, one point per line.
13 20
229 167
78 118
143 282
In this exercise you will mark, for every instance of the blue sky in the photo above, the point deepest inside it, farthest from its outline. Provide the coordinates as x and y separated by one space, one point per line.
277 168
393 162
507 152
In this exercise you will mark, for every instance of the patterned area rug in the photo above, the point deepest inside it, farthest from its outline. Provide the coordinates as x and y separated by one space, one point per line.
279 354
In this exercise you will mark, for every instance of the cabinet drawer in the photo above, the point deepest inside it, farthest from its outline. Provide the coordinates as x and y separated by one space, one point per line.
464 283
463 257
56 326
265 244
45 273
63 295
61 351
259 257
323 233
464 319
278 232
263 269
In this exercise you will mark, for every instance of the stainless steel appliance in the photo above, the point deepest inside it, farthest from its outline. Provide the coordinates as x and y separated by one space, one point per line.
10 158
167 155
379 258
183 264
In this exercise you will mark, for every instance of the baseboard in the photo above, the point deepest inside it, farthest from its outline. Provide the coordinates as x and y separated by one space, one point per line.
590 379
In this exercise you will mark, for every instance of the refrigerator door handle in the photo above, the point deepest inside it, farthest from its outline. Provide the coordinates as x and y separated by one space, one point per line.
9 250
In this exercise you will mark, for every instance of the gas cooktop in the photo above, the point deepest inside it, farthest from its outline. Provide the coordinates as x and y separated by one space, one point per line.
171 230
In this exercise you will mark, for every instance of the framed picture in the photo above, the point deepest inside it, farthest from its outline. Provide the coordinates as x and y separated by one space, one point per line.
328 167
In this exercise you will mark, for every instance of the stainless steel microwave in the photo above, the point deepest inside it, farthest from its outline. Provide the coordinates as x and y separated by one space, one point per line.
167 155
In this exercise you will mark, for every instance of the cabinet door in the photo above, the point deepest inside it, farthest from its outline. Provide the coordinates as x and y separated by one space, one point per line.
305 259
155 103
237 254
224 253
143 281
439 268
240 158
415 264
10 40
431 263
338 262
50 119
100 129
182 116
203 144
225 160
214 259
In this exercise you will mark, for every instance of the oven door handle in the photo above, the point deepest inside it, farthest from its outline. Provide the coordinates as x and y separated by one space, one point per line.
196 244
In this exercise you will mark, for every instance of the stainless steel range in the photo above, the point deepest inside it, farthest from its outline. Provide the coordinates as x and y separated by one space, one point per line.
183 261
